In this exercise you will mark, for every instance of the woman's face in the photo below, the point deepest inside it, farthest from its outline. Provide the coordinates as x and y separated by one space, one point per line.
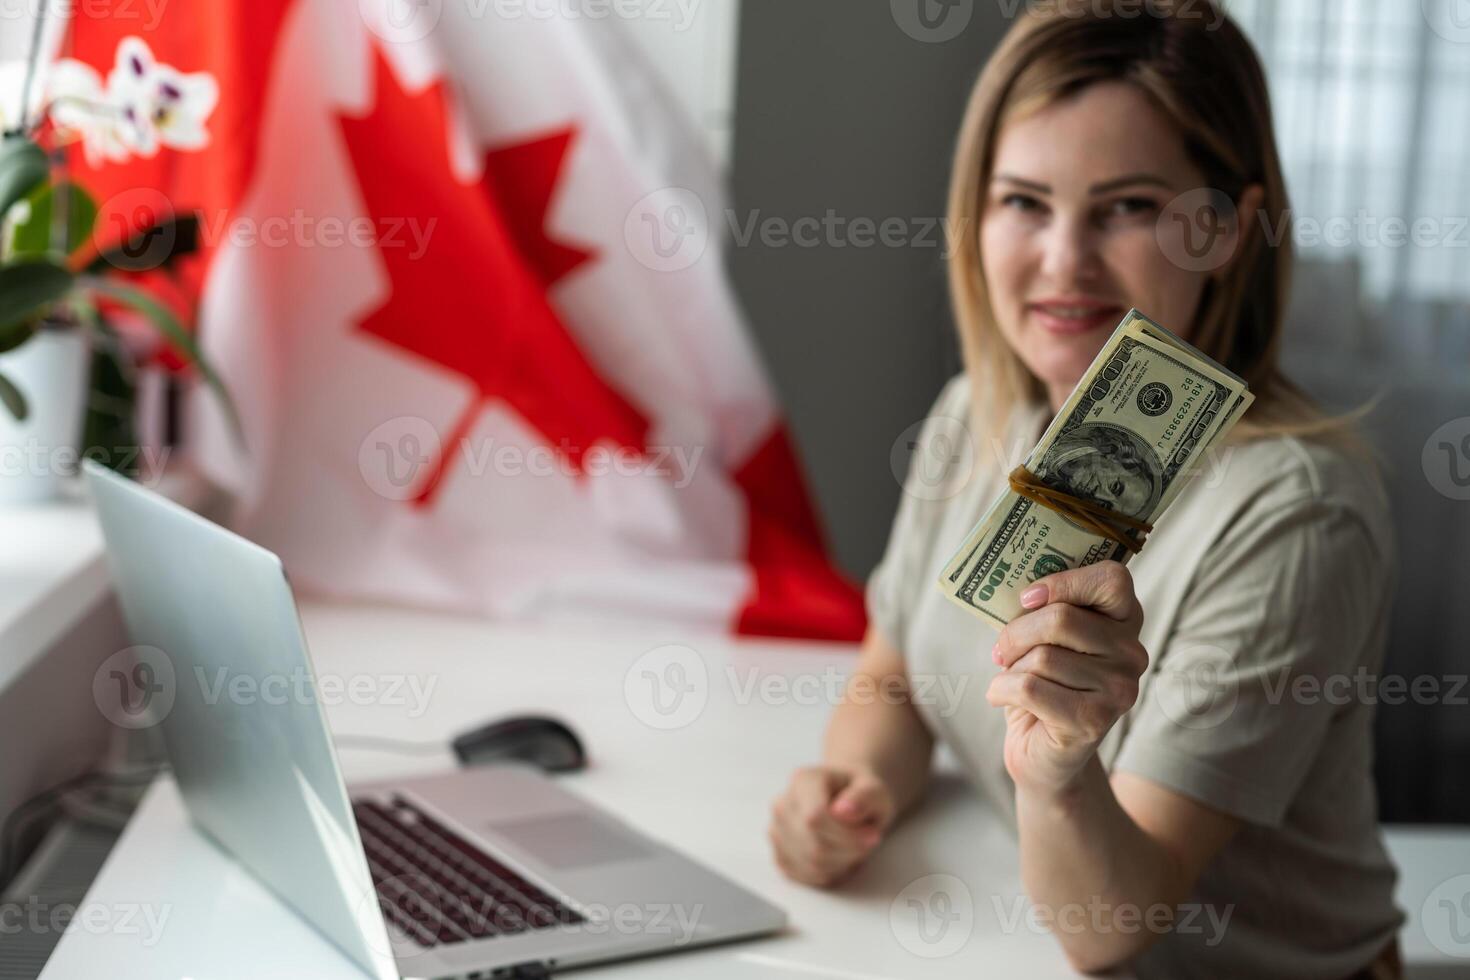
1068 229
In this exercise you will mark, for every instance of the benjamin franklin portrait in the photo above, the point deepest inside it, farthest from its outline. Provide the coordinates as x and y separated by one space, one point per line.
1110 466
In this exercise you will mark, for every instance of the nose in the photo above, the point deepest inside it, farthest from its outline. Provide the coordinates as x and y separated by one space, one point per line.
1070 255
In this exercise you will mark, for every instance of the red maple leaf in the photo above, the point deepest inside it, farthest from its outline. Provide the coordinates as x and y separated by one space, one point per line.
475 302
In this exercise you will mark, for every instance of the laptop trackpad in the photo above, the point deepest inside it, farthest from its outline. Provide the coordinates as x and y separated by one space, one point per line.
573 840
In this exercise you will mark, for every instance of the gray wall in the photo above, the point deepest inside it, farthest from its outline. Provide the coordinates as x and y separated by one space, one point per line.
837 107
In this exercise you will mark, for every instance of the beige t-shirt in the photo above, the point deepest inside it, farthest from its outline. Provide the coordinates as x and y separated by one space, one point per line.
1265 590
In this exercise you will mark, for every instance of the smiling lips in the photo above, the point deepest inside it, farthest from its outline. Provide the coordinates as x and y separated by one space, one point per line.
1068 316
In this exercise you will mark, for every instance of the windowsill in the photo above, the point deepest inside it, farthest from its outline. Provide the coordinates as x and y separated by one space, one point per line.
52 572
53 569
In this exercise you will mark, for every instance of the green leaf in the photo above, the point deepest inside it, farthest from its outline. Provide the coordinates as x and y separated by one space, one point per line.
23 166
168 325
107 432
28 287
13 399
37 235
16 334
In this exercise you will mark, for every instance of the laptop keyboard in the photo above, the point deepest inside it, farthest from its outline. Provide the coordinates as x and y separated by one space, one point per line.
437 888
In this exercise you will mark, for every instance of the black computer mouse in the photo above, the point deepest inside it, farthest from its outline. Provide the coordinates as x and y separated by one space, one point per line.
543 742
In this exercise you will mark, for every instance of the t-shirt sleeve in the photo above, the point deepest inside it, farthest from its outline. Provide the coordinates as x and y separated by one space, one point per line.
1282 614
938 464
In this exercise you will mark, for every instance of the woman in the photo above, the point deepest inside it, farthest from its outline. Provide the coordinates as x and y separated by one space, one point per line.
1145 727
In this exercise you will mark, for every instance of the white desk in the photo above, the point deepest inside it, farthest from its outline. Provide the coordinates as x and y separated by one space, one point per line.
704 787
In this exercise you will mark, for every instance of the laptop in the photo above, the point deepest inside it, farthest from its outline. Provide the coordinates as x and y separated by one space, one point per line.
494 872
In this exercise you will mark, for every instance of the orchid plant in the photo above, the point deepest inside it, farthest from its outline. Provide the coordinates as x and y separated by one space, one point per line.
51 272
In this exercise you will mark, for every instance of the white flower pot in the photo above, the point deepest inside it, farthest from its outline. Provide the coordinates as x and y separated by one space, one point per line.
38 455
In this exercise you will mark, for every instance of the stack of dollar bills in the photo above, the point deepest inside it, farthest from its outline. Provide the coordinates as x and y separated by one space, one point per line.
1143 415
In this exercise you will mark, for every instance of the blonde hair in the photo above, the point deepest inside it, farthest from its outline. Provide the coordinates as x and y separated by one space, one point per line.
1200 70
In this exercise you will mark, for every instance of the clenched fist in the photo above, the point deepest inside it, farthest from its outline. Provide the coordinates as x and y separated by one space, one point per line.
827 822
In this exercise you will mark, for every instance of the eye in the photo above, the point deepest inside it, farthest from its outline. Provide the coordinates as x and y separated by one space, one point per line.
1131 206
1117 488
1024 203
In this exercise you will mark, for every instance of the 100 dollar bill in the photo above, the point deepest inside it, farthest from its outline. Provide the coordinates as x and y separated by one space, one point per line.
1137 423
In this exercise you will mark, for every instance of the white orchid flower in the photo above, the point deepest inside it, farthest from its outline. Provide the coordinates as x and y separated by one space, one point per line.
159 105
80 109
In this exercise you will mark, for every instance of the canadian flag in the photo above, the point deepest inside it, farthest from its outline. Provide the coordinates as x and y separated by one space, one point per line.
460 272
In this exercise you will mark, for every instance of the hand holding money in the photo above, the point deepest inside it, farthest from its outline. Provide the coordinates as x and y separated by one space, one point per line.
1069 671
1108 466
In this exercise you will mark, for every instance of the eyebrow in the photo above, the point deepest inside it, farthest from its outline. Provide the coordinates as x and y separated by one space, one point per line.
1127 180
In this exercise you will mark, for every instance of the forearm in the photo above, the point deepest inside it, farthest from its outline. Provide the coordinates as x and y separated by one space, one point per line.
877 728
1110 886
